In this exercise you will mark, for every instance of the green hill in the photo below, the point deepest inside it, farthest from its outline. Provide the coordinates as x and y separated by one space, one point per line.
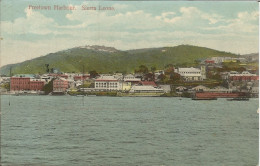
107 59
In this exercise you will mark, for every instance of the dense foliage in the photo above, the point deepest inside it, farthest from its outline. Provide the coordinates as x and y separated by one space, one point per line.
73 59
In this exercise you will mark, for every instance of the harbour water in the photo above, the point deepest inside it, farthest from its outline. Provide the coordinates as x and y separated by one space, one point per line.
128 131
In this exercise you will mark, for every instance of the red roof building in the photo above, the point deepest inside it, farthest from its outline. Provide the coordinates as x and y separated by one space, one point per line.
151 83
85 77
244 76
26 83
60 85
58 75
209 61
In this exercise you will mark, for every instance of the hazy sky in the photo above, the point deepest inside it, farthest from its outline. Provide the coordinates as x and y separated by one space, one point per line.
27 33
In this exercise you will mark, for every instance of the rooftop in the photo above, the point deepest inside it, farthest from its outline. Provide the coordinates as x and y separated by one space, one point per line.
24 75
191 69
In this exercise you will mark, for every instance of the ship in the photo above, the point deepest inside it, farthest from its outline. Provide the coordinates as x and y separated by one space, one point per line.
219 95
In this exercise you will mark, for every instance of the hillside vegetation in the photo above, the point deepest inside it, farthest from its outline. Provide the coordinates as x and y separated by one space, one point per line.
112 60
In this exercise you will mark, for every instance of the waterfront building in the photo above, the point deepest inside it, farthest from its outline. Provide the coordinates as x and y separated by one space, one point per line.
148 83
126 86
26 82
108 83
181 89
200 88
220 89
145 89
166 88
36 84
60 85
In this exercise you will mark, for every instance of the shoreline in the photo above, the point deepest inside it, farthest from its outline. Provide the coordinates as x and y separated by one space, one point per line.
105 95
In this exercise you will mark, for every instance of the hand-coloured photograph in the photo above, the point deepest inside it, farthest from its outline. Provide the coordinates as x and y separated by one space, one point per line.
129 83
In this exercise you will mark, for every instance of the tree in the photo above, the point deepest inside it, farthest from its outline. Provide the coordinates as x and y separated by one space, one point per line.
169 69
153 68
149 77
48 87
93 74
47 68
142 69
6 86
162 77
176 77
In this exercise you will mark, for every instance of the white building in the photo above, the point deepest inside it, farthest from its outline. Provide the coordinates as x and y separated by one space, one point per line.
192 74
131 78
4 79
244 73
200 88
227 59
108 83
46 78
220 89
157 73
166 88
145 89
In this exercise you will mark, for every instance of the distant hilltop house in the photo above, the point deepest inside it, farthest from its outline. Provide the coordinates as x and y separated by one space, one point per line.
219 60
192 74
26 82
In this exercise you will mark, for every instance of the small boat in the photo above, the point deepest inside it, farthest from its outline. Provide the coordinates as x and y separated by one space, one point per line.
239 99
205 98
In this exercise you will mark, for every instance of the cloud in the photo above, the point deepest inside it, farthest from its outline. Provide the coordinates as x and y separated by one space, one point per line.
113 19
244 23
34 23
189 16
124 30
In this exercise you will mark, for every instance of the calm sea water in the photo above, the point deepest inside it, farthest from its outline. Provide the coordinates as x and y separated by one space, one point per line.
128 131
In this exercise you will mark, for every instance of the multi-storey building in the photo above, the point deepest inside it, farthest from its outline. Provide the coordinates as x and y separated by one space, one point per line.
26 82
108 83
192 74
60 85
244 76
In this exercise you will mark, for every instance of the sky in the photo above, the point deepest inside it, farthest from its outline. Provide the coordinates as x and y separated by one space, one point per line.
28 33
